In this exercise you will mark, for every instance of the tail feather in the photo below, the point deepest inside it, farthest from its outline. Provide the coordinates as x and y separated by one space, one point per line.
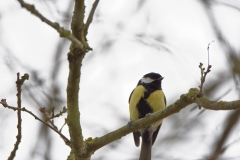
146 148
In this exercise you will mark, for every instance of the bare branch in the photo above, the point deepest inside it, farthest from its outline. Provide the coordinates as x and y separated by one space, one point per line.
49 118
62 32
203 77
75 57
19 84
204 73
64 110
65 139
185 100
90 17
65 122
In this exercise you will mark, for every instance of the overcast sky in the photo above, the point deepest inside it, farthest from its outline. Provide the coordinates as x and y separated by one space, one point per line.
129 39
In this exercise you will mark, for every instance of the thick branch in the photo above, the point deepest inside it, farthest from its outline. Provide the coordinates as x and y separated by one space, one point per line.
77 24
73 118
221 105
185 100
75 57
62 32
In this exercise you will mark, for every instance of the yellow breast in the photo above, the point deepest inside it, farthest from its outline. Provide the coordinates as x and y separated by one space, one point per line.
155 101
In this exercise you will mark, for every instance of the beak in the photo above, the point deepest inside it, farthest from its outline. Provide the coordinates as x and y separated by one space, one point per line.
161 78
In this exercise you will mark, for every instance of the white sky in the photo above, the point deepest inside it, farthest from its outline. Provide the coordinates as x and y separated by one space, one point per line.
109 75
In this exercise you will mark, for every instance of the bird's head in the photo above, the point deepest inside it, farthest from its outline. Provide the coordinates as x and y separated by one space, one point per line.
151 79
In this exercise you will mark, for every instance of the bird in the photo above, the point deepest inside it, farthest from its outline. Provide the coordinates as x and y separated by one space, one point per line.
146 98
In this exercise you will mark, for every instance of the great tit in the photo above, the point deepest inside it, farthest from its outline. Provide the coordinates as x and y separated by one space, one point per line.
145 99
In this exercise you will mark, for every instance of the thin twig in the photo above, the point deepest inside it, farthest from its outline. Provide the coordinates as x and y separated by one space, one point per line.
19 84
203 72
90 17
48 118
62 32
63 125
203 76
65 139
64 110
208 50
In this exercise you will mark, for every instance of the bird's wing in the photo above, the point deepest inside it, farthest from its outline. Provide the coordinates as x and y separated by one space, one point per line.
130 96
136 134
154 136
165 101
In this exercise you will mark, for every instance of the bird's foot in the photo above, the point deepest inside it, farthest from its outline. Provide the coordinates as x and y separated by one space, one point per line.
130 123
147 115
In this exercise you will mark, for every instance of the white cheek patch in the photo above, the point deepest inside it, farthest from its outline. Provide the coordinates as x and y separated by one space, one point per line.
146 80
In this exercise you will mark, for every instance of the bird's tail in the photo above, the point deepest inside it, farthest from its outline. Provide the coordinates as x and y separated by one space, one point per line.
146 148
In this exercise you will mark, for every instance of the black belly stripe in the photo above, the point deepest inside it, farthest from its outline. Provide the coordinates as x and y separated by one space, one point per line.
143 106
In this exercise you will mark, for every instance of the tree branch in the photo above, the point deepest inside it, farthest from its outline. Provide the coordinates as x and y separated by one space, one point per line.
19 84
185 100
4 103
90 17
91 145
62 32
75 57
77 24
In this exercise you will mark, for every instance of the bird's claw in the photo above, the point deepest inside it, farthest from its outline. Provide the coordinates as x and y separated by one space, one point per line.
129 123
147 115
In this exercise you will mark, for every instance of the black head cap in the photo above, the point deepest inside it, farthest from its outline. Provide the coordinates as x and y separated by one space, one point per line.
152 80
153 76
